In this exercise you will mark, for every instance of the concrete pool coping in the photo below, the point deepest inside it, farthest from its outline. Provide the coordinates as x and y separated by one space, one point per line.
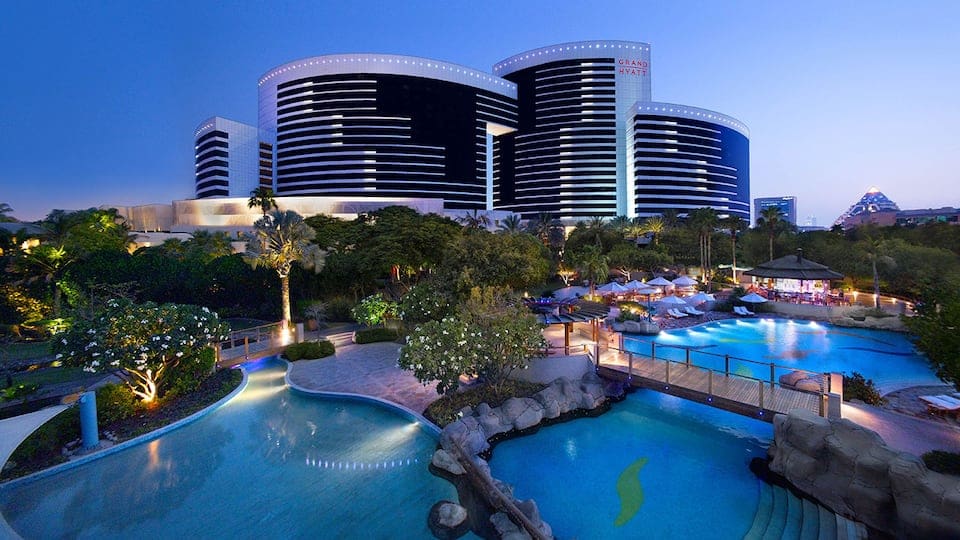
432 428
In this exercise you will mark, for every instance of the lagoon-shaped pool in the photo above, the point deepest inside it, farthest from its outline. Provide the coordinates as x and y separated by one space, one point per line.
654 466
271 463
889 358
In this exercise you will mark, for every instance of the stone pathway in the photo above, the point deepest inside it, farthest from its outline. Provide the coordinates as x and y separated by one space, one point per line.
904 433
370 370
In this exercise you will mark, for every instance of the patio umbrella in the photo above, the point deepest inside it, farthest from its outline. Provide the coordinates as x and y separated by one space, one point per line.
612 288
684 281
672 301
753 298
660 282
634 285
700 298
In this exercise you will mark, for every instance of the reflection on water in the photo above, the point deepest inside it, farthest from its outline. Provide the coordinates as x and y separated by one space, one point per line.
269 464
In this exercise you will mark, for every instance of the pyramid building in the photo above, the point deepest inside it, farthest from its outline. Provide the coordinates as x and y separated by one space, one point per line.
873 202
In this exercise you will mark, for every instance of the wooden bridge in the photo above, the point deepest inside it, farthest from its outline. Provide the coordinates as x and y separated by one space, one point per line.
712 379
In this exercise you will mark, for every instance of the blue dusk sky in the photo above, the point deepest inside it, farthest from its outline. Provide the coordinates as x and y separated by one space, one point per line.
99 99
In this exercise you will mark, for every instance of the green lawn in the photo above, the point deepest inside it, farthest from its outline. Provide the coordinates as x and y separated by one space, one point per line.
52 375
23 350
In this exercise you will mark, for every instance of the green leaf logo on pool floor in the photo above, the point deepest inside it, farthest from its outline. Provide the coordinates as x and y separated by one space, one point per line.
630 492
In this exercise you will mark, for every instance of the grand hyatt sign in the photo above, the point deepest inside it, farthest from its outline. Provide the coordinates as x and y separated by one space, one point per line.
629 66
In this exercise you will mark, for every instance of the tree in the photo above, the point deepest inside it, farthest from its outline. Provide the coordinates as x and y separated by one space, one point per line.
769 218
142 343
566 274
593 265
511 224
654 225
262 198
620 224
936 327
485 259
733 225
492 334
475 220
374 310
624 258
704 222
46 263
4 210
281 239
875 252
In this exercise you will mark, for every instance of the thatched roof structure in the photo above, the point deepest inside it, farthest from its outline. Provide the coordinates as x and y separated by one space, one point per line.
794 267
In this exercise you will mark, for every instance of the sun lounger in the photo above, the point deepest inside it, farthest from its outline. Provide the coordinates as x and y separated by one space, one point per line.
938 404
676 314
693 311
743 311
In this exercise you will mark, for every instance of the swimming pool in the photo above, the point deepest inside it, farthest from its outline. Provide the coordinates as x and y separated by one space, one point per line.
654 466
271 463
889 358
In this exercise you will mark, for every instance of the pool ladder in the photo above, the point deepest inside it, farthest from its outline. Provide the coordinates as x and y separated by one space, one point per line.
783 515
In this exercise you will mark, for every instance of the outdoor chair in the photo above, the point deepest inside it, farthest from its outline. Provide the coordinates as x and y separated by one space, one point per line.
693 311
676 314
936 404
743 311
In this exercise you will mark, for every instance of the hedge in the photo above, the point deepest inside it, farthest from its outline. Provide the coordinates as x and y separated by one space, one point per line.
373 335
309 350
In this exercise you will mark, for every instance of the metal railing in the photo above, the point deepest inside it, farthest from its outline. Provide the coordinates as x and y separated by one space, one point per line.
764 375
241 344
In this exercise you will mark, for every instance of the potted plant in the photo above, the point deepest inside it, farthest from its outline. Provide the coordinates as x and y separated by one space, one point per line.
315 314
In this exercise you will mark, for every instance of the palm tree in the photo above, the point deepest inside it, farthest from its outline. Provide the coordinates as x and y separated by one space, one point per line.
596 224
733 225
770 217
511 224
593 265
262 198
280 239
704 222
875 251
621 224
541 226
654 225
475 220
47 262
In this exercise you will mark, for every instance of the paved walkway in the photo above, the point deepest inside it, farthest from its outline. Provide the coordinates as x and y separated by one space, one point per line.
370 370
902 432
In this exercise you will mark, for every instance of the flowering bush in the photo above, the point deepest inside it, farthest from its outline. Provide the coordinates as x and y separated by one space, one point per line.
374 310
492 335
141 342
424 302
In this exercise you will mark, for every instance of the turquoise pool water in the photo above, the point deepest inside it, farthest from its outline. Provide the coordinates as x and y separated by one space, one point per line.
889 358
655 466
269 464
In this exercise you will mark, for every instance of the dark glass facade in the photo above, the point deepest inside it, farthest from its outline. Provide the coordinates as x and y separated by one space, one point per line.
686 161
386 135
562 158
212 177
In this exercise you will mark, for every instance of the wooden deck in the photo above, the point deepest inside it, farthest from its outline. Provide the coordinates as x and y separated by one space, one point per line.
742 395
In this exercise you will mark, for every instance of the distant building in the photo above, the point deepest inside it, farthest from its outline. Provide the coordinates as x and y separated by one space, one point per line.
947 214
787 206
231 159
873 207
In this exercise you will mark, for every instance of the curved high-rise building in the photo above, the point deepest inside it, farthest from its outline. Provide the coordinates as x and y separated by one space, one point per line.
567 156
385 126
682 158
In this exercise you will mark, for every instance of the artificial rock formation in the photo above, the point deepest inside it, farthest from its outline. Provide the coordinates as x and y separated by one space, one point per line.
471 433
852 471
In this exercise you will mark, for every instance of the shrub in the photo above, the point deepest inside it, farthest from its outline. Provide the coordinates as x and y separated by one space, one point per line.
16 392
115 402
309 350
186 377
338 309
857 387
942 462
373 335
374 310
446 409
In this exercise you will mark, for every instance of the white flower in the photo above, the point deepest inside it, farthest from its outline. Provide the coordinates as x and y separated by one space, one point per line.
179 354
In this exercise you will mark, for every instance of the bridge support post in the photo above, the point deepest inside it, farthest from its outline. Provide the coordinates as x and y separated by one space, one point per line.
629 366
653 351
688 357
726 365
772 371
246 345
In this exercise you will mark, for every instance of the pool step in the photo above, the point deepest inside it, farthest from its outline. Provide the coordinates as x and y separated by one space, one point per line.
783 515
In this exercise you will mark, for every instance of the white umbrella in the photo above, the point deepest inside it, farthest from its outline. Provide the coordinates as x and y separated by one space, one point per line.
672 301
612 288
660 282
634 285
753 298
700 298
684 281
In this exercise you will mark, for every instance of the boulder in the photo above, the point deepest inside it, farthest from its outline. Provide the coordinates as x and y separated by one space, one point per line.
507 529
549 399
443 460
854 473
790 379
448 520
522 413
465 433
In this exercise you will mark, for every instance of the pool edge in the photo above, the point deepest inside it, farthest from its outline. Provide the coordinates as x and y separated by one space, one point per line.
146 437
429 426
